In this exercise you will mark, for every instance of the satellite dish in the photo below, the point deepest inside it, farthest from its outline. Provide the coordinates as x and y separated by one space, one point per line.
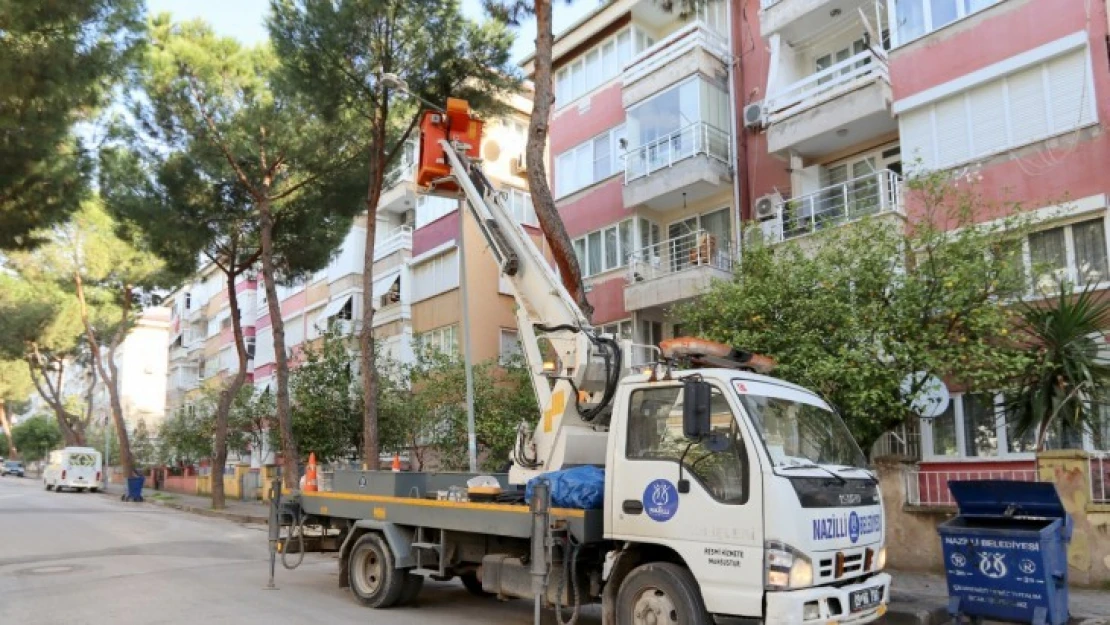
932 399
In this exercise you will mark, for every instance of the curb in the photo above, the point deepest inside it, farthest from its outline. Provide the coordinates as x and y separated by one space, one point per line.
915 613
207 512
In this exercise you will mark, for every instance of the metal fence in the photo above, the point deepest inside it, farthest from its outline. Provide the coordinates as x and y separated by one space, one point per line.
696 249
830 82
872 194
698 138
1100 477
903 441
930 488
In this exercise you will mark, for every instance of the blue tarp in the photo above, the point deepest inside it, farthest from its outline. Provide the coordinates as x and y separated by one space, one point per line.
581 487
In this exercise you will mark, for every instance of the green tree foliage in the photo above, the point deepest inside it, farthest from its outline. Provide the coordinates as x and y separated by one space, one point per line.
336 54
142 446
58 63
15 386
185 437
109 277
1060 393
851 311
40 325
36 437
427 416
327 401
249 141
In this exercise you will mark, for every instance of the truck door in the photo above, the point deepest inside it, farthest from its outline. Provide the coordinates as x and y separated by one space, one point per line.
716 527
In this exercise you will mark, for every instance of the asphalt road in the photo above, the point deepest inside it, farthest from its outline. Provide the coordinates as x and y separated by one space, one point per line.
75 558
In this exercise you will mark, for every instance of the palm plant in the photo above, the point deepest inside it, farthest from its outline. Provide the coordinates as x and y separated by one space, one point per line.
1066 378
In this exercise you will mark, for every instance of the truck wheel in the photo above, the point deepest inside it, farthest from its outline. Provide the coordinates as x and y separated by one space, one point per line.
410 588
474 585
375 581
659 593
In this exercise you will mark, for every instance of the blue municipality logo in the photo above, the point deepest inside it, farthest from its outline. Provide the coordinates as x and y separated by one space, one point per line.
853 527
661 500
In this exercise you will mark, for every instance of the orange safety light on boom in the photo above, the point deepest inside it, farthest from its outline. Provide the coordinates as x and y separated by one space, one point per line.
458 126
700 353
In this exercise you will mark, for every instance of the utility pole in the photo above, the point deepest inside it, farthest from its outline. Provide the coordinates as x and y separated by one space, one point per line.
471 433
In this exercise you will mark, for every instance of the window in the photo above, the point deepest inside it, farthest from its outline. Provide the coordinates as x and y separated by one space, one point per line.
430 208
443 340
655 433
667 127
599 64
651 332
606 249
826 61
1030 105
520 205
914 18
188 301
510 350
975 425
620 329
589 162
435 275
1074 252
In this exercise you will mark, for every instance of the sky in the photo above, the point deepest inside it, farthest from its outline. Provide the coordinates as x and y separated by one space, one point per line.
243 19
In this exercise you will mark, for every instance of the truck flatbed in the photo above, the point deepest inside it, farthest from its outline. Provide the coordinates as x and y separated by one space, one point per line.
371 495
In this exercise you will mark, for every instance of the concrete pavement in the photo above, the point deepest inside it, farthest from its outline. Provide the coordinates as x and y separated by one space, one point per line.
80 558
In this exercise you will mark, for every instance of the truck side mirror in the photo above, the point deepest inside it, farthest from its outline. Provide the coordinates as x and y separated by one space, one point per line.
695 408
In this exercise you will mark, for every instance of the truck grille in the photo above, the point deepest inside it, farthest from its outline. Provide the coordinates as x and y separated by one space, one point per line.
842 564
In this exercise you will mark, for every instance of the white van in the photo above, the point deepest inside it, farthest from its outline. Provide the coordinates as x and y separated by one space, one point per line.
73 467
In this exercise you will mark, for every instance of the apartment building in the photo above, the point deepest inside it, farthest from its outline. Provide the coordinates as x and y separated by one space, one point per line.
416 287
450 263
642 159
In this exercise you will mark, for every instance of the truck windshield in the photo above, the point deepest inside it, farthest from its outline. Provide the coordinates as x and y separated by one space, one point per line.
798 429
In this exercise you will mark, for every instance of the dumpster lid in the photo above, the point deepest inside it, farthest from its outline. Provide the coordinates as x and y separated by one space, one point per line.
1007 498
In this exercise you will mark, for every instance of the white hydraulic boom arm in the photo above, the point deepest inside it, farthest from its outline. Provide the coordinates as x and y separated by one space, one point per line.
575 395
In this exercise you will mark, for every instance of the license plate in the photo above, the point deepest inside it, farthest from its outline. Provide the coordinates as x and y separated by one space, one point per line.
865 599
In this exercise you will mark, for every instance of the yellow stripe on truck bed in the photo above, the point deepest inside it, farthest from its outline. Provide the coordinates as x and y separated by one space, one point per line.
432 503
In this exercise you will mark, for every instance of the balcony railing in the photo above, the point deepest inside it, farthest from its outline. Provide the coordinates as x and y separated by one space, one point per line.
873 194
930 488
673 46
826 84
696 139
696 249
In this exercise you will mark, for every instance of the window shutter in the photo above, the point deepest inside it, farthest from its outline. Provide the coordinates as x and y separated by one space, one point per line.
1070 92
916 130
952 131
988 118
1028 116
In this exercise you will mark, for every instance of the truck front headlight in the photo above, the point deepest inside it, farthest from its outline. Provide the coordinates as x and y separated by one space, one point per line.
880 559
786 567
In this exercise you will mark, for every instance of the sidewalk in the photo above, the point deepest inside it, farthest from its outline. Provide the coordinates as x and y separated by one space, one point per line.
234 510
922 598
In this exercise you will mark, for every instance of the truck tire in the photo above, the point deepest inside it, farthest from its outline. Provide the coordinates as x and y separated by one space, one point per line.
375 581
410 588
473 585
659 593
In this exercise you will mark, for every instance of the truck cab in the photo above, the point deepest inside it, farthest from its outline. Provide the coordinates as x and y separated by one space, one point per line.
771 508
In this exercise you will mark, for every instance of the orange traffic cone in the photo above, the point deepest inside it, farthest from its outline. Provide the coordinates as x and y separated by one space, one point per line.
310 484
396 462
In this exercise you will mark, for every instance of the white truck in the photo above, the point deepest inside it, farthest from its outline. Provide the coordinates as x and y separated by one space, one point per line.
727 493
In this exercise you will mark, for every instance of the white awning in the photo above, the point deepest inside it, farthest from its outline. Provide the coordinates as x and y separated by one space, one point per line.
335 306
383 285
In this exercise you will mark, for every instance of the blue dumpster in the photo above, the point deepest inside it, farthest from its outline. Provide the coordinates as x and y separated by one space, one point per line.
1005 553
134 489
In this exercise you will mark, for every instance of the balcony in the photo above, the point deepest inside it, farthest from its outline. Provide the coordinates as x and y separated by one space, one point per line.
395 240
694 160
694 48
835 108
676 269
803 20
399 194
875 194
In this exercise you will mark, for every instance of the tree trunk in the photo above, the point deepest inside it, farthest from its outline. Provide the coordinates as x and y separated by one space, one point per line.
291 456
52 396
550 221
110 375
7 428
229 393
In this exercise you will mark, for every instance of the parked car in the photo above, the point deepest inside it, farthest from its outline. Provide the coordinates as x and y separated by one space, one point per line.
12 467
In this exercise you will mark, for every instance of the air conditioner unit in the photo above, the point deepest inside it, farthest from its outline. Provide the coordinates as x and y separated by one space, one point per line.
753 115
518 165
766 206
